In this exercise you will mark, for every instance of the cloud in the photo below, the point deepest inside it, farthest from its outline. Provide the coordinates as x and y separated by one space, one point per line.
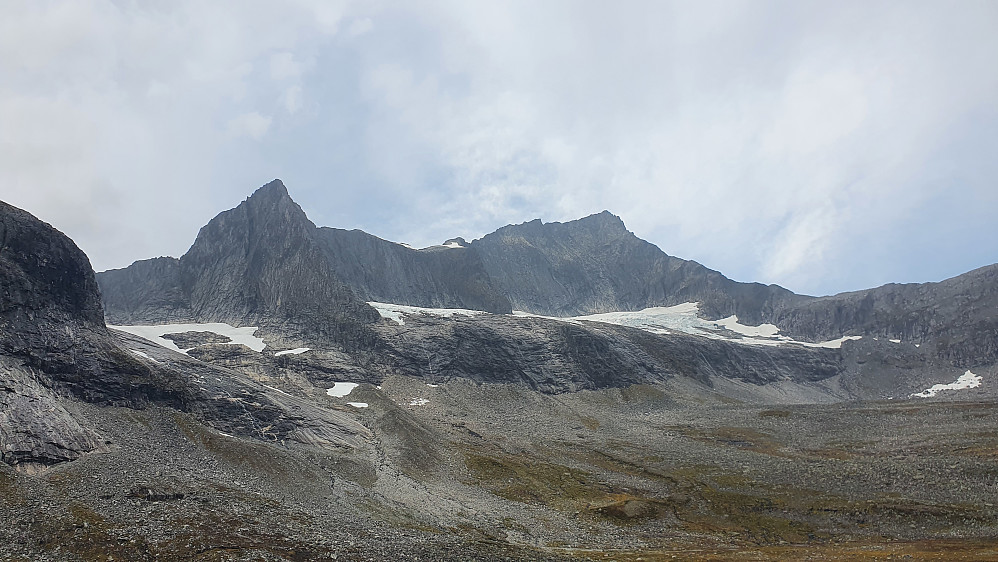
252 125
808 144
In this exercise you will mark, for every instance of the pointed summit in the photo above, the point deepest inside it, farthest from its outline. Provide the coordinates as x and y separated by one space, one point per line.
272 191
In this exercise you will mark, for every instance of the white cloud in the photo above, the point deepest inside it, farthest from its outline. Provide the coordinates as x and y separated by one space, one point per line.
775 142
252 125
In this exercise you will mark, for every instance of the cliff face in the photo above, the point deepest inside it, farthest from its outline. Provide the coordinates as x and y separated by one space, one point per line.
442 276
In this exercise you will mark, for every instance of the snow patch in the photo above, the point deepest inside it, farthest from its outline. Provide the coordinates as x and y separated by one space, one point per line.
155 334
395 312
966 380
451 245
432 385
295 351
357 404
341 389
144 355
894 341
419 402
762 330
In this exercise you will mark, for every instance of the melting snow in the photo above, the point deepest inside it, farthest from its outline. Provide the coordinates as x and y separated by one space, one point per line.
657 320
140 354
895 341
966 380
341 389
683 318
295 351
357 404
395 311
419 402
432 385
452 245
155 334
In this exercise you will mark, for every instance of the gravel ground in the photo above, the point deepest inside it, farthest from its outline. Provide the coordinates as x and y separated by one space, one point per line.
499 472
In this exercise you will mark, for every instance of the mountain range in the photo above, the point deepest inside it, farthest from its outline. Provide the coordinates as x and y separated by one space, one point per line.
546 384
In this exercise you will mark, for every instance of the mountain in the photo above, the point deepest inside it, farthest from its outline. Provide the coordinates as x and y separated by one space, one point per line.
264 262
259 263
595 264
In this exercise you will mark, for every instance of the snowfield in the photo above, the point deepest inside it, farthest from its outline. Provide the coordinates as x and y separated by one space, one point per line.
155 334
966 380
341 389
395 312
295 351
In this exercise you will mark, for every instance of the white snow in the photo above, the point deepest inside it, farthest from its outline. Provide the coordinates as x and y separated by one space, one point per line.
419 402
272 388
832 344
357 404
155 334
966 380
762 330
395 312
341 389
895 341
432 385
452 245
141 354
295 351
684 318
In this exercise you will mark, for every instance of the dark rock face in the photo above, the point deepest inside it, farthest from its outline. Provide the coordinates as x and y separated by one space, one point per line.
595 265
440 276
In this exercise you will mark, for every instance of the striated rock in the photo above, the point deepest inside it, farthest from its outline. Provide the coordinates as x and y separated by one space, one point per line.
36 430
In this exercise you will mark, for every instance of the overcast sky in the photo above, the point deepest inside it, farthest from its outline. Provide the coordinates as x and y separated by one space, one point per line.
823 146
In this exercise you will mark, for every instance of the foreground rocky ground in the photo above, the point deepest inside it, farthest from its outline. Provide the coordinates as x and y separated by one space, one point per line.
498 472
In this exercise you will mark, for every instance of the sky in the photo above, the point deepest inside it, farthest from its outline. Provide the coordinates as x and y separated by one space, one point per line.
822 146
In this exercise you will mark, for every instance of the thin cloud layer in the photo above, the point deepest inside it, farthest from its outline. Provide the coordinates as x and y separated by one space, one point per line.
821 146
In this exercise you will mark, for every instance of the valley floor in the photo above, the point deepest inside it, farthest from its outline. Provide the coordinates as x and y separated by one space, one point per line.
497 472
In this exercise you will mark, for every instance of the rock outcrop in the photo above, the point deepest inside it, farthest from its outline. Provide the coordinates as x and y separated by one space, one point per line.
55 349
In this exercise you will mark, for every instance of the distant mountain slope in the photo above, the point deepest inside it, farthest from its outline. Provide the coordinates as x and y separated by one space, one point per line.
596 265
264 260
955 319
383 271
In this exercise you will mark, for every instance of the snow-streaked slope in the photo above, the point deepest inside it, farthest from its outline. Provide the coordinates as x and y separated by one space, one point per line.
155 334
966 380
657 320
295 351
